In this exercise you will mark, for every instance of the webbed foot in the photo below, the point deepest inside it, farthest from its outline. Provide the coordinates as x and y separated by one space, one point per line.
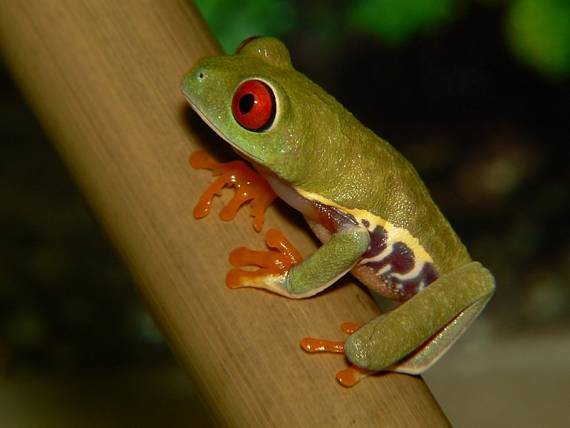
249 186
349 376
272 264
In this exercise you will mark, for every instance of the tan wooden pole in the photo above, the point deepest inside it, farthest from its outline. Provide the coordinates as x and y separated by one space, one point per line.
103 78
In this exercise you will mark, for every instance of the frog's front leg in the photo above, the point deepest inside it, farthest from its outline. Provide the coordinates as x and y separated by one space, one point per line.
304 279
412 337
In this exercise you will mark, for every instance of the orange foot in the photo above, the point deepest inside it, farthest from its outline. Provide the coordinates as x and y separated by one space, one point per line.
249 185
349 376
272 265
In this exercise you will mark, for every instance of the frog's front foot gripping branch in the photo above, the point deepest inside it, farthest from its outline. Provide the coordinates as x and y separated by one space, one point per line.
273 265
283 271
249 185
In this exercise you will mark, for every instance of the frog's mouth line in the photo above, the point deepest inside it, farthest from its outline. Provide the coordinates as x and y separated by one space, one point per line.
220 134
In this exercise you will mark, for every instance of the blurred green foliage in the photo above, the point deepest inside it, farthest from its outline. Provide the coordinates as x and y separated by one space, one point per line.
395 21
233 21
538 31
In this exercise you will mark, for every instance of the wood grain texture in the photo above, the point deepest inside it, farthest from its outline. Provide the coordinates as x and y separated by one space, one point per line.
103 78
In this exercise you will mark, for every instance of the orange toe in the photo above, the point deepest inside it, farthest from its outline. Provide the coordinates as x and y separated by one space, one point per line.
352 375
349 327
312 345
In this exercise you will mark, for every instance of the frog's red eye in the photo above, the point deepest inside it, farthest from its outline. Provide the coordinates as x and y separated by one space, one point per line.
253 105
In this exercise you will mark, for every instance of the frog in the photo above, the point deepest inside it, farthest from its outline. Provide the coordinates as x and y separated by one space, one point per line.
362 199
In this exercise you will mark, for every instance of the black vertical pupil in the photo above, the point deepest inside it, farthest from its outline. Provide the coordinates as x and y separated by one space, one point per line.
246 103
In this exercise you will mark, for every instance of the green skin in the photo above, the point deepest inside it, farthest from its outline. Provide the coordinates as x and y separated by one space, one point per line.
358 170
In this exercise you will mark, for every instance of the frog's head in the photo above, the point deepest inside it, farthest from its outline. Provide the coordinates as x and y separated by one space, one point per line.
259 104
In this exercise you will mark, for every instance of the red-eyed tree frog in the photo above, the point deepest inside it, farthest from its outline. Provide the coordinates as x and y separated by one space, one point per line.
362 199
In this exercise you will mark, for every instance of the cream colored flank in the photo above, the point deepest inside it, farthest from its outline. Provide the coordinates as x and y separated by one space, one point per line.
394 233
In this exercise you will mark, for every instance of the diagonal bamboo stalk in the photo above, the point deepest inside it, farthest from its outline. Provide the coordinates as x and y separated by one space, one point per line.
102 77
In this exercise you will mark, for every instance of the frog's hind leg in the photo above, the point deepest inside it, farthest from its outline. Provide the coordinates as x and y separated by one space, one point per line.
436 347
412 337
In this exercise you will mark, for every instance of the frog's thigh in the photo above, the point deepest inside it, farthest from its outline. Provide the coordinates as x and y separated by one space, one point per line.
329 262
436 347
429 323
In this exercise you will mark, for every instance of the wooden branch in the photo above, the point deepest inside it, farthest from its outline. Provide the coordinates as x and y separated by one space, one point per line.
103 78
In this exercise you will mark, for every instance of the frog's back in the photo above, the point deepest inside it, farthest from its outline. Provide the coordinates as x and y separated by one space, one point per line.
413 218
412 243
